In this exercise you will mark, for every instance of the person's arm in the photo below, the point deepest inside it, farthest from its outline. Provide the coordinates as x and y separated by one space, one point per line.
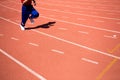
25 1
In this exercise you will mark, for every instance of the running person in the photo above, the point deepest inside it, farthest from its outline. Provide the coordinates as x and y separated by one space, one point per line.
28 12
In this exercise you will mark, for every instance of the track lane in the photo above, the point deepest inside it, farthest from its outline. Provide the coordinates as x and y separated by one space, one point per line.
67 77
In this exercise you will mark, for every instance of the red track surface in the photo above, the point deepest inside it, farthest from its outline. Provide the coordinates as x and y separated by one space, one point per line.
80 45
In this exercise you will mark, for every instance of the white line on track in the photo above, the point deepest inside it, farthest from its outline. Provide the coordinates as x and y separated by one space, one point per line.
94 12
80 11
76 13
82 25
69 42
77 24
66 17
33 44
79 45
22 65
91 61
112 37
57 51
52 15
13 38
78 7
99 21
109 18
83 32
80 19
62 28
1 34
118 22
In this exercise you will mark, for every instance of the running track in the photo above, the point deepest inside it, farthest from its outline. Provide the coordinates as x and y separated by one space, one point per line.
83 44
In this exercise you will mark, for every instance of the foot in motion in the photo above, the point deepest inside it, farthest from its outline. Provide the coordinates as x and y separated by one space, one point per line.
22 27
31 20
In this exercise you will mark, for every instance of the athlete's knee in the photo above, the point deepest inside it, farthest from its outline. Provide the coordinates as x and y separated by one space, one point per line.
35 14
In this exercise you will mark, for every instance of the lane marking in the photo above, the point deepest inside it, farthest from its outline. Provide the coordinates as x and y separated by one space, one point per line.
57 51
62 28
69 42
83 32
94 12
80 19
13 38
17 21
22 65
92 27
118 22
1 34
33 44
76 13
79 45
106 69
52 15
79 7
109 18
82 25
117 11
117 47
99 21
112 37
90 61
66 17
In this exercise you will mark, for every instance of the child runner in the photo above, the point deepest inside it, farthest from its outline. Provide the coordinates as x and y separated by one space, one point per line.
28 12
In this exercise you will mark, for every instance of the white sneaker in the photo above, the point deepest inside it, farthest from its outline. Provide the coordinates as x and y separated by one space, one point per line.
31 20
22 27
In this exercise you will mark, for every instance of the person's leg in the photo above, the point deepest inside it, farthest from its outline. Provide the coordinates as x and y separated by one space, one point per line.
34 14
25 15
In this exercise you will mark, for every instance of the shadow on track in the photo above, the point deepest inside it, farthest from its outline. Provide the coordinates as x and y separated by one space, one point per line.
46 25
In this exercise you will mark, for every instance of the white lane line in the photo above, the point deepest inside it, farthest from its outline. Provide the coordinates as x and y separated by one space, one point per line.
79 45
69 42
57 51
99 21
52 15
1 34
13 38
112 37
73 13
79 7
80 19
110 13
80 14
80 11
90 61
22 65
82 25
66 17
17 21
64 22
94 12
62 28
118 22
83 32
33 44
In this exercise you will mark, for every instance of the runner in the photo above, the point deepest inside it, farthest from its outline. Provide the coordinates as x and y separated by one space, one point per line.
28 12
